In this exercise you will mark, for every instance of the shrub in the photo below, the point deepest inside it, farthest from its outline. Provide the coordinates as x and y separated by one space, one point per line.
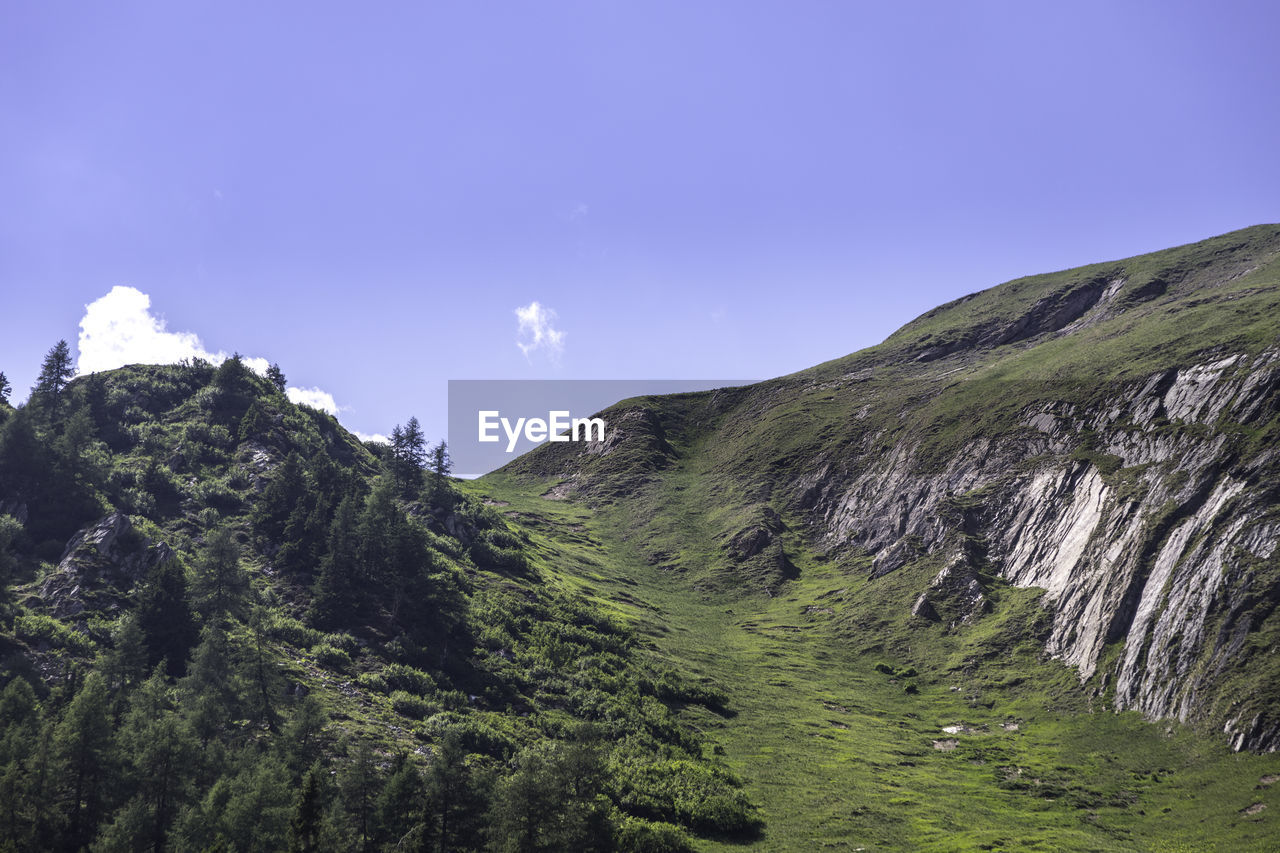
343 641
490 552
294 633
637 835
331 657
40 628
372 681
410 680
414 707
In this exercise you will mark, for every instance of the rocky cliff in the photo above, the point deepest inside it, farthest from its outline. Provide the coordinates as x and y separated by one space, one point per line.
1109 434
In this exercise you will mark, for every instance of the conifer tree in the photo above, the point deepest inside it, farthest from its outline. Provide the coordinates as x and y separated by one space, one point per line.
408 454
5 388
276 376
335 591
441 466
83 746
164 615
55 373
308 813
221 586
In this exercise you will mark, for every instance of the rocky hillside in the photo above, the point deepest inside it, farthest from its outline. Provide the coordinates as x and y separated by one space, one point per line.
1109 434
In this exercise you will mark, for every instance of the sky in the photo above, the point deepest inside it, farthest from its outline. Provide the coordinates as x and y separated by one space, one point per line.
382 197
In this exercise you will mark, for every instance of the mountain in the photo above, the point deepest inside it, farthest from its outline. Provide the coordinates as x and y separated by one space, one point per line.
1005 581
1077 469
228 624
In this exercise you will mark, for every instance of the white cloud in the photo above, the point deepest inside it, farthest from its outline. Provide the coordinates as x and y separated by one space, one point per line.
119 329
315 398
377 436
534 331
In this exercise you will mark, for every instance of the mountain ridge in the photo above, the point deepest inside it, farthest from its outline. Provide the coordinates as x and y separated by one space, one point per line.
1014 416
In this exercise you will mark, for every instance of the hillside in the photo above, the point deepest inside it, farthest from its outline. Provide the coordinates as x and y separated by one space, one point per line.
1005 581
1056 494
227 624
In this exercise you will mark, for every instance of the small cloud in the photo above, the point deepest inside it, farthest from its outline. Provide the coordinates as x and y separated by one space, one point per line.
580 211
313 397
377 436
535 331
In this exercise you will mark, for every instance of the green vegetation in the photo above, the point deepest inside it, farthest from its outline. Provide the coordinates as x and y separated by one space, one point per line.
272 636
226 624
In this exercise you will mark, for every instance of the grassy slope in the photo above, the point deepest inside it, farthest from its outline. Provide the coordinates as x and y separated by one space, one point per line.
838 753
840 756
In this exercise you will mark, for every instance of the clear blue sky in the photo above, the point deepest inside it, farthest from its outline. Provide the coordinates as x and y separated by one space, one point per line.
366 193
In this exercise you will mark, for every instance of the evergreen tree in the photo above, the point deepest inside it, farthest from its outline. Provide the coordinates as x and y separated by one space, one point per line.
83 746
221 586
5 388
456 800
209 696
399 803
441 466
164 616
125 665
10 530
259 673
252 424
308 814
301 744
19 730
55 373
335 591
159 747
359 786
554 802
276 376
408 454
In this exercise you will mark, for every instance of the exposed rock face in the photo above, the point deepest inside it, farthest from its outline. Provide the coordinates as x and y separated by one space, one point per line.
1144 520
102 562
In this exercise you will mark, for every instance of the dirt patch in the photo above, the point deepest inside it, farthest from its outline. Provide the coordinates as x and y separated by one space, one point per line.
1253 809
946 744
1269 779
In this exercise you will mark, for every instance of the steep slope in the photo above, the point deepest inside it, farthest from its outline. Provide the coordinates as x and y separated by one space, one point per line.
1109 434
225 623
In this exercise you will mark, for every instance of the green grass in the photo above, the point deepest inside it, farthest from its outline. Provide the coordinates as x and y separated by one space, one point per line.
841 756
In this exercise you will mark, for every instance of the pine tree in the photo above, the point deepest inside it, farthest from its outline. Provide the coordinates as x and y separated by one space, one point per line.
359 786
160 748
456 798
221 586
5 388
55 373
308 814
408 454
252 424
335 591
164 616
441 466
398 807
83 746
209 697
259 673
276 377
